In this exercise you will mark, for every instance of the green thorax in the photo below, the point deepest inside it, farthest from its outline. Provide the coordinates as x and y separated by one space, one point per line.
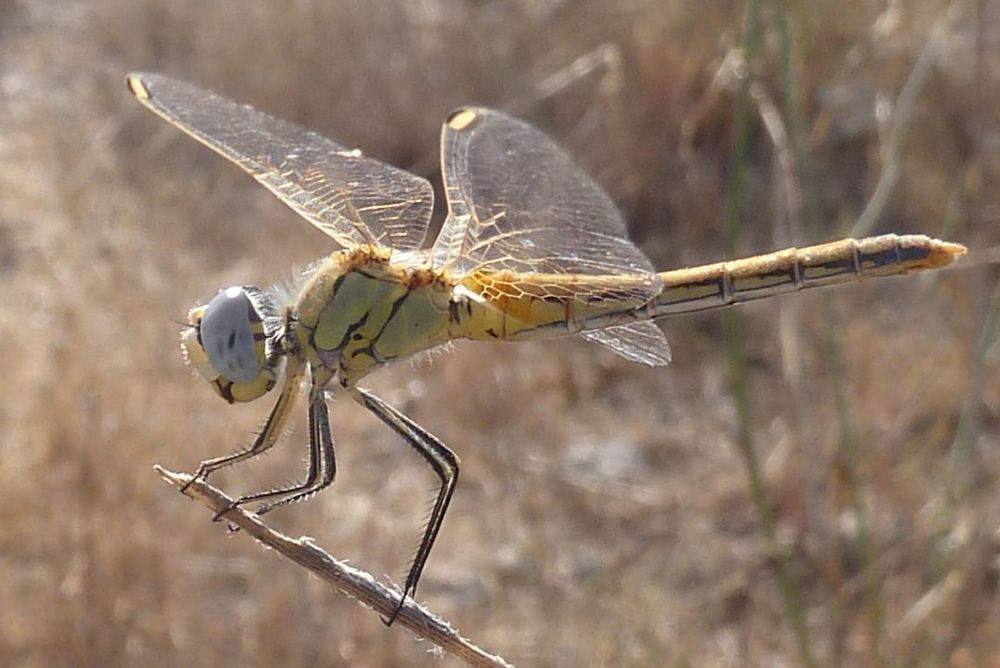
359 311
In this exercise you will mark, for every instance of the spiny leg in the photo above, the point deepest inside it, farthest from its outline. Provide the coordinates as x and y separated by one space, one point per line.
445 464
322 461
268 436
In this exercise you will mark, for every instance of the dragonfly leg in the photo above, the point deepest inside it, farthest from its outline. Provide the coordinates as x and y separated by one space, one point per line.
322 462
445 464
268 436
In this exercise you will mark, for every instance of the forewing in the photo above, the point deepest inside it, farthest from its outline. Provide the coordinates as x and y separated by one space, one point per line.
516 201
353 199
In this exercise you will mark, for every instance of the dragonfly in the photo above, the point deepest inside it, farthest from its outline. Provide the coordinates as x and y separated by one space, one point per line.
531 248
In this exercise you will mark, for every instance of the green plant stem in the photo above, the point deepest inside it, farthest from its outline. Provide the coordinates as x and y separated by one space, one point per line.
735 193
849 456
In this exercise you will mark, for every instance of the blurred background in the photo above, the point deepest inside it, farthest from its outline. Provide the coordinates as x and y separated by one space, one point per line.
812 481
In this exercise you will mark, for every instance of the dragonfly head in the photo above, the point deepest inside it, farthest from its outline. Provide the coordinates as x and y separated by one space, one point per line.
228 341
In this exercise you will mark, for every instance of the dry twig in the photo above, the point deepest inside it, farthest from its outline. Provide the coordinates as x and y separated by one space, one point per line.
350 581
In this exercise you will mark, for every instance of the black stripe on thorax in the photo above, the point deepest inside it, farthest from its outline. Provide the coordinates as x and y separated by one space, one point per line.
393 310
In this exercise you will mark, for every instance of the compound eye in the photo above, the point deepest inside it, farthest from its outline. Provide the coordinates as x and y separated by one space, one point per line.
227 335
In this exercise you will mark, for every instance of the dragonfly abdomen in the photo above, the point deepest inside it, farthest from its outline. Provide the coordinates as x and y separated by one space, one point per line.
726 283
512 307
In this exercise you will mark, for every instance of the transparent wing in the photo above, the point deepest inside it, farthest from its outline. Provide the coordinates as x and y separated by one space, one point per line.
517 202
641 342
353 199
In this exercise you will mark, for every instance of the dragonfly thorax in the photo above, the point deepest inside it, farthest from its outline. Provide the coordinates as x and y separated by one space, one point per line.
228 342
360 310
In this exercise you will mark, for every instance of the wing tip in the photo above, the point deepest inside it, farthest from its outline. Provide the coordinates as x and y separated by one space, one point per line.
136 85
462 119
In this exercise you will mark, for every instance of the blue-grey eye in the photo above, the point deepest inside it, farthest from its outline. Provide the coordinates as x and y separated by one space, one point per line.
227 335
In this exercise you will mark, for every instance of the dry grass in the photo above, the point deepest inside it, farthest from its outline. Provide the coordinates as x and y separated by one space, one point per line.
603 516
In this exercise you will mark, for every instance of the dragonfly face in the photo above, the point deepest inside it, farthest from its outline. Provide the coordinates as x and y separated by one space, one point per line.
229 342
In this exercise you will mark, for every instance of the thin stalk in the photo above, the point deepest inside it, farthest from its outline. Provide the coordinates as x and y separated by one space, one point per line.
804 223
905 105
847 444
735 194
968 421
845 423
